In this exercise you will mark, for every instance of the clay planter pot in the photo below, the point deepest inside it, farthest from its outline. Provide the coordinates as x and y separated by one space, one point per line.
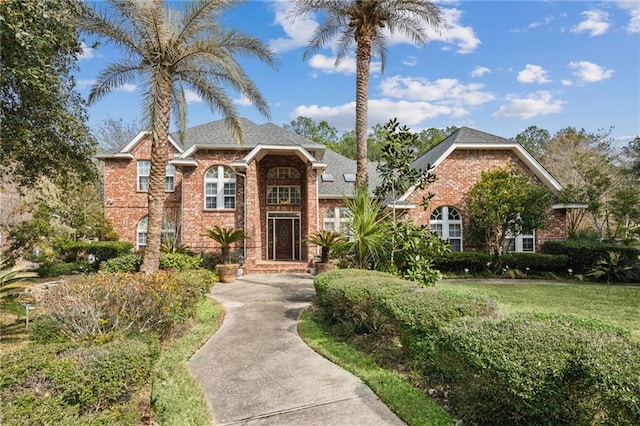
227 272
324 267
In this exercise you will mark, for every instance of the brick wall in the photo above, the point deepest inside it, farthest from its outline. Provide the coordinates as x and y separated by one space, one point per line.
457 174
125 206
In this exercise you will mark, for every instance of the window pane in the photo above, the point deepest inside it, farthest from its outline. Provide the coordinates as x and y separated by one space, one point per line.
455 230
169 184
212 173
229 174
436 214
456 244
272 195
143 183
454 214
211 188
295 195
144 166
510 245
142 239
527 244
230 189
211 203
229 202
436 228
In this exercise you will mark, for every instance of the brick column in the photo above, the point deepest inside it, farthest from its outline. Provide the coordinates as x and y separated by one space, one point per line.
253 228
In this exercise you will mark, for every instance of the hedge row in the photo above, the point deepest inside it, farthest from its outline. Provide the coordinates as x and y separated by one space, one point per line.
524 369
77 251
583 254
66 384
131 262
477 262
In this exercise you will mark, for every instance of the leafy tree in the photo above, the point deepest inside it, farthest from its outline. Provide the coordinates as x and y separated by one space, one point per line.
321 133
534 140
173 50
505 203
42 118
585 164
365 24
431 137
54 214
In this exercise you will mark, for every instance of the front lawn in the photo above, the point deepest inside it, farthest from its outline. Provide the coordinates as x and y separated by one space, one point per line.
619 305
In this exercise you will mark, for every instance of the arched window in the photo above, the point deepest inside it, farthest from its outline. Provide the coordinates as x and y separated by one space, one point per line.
219 188
168 231
337 219
446 222
283 173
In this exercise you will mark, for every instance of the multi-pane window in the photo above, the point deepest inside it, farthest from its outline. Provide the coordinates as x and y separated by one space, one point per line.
337 219
144 169
524 242
220 188
446 222
170 180
283 195
168 232
283 173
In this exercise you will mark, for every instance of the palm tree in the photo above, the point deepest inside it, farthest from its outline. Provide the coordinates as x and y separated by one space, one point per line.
170 51
226 237
363 23
326 240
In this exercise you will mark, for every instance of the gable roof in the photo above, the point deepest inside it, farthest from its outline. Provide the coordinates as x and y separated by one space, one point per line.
468 138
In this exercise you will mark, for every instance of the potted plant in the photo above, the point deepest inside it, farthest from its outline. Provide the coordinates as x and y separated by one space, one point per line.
226 270
326 240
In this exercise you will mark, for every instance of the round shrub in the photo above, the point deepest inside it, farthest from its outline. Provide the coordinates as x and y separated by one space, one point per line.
180 261
124 263
541 369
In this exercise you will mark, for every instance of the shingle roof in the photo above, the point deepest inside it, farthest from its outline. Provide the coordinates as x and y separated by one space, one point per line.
217 134
337 166
464 135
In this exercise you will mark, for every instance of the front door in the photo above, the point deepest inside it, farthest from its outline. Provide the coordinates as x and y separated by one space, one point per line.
283 236
284 239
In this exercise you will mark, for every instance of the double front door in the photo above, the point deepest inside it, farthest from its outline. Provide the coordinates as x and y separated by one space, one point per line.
283 236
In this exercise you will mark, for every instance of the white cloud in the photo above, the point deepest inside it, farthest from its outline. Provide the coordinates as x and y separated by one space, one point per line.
298 32
83 84
533 74
480 71
596 22
446 91
547 20
410 61
347 65
127 88
87 52
588 72
342 117
633 7
192 97
535 104
455 33
242 101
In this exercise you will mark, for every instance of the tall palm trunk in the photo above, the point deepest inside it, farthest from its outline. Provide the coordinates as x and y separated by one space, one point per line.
160 119
363 63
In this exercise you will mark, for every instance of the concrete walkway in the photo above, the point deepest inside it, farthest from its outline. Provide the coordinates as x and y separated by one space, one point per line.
256 370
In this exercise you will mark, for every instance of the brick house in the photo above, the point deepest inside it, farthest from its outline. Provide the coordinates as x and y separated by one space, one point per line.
280 187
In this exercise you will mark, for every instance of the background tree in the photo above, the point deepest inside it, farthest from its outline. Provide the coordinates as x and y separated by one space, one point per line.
307 128
42 118
171 50
534 140
114 133
506 203
365 24
431 137
586 166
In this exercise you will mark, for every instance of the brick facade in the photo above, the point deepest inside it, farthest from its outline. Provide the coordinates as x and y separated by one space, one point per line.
125 206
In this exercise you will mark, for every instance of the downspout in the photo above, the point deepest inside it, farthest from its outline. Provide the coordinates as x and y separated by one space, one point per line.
244 214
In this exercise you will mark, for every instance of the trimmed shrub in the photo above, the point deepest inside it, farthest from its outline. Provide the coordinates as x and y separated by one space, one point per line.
583 254
458 261
45 330
536 262
351 296
541 369
125 263
105 250
61 384
421 315
180 261
69 268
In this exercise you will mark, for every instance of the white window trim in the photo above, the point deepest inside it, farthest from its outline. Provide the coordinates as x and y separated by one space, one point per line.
445 222
220 195
270 187
339 220
519 243
170 173
141 229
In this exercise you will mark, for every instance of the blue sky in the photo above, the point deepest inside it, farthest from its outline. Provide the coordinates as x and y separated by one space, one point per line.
497 66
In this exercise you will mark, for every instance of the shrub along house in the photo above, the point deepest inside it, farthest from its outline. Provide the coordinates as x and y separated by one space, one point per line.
280 187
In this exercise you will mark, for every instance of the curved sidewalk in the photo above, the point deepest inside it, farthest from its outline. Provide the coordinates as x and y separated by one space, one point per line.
256 370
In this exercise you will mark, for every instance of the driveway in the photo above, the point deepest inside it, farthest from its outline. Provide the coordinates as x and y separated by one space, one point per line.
256 370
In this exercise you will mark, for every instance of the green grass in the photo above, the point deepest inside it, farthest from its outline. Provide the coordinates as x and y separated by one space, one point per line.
179 398
618 305
408 402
